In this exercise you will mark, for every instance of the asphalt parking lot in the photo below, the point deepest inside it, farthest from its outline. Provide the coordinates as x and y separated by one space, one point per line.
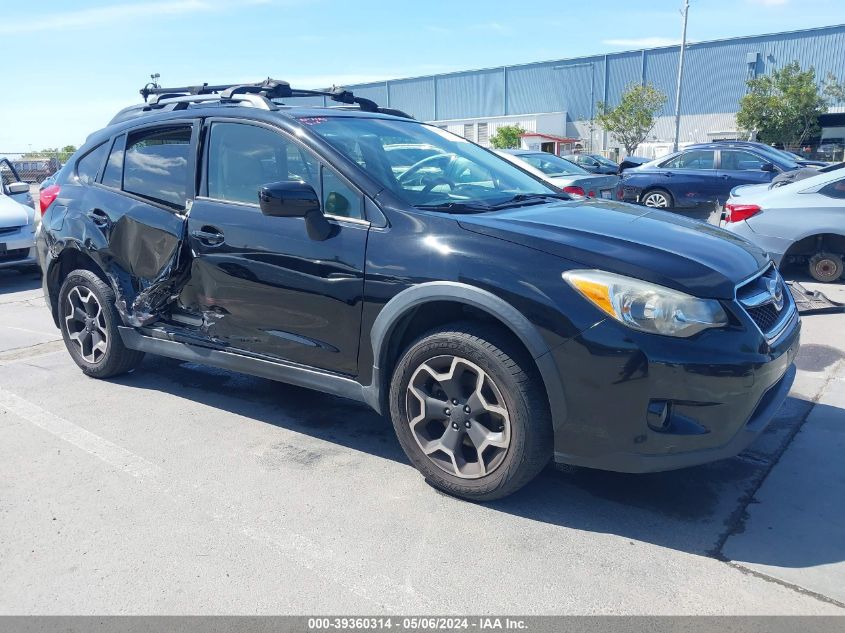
180 489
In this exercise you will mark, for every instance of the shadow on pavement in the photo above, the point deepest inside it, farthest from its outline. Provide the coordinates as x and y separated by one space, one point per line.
688 510
14 280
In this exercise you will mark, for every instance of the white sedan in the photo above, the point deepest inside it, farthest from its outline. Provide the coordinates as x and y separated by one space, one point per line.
17 228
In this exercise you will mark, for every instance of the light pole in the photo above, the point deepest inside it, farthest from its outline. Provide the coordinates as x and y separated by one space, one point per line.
680 78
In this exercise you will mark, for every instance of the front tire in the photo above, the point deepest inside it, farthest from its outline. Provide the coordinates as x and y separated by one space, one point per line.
469 412
658 199
88 321
825 267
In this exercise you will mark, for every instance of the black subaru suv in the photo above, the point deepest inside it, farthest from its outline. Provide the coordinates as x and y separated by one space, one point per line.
355 251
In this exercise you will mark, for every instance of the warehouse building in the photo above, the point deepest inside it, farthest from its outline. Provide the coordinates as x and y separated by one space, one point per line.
555 101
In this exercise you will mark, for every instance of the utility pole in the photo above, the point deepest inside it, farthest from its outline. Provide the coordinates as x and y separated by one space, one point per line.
680 78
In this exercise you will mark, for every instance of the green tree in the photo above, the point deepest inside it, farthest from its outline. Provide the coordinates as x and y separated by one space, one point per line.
833 89
783 107
631 121
507 137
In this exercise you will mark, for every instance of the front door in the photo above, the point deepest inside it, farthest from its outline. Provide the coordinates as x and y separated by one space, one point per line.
740 167
691 177
259 283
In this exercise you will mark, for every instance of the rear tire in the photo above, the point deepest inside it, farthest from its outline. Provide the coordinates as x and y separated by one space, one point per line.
825 267
658 199
469 411
88 321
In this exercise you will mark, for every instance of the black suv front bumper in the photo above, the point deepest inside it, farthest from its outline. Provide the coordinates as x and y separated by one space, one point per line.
718 392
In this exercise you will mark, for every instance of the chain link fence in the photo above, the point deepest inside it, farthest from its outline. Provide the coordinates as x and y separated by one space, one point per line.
31 167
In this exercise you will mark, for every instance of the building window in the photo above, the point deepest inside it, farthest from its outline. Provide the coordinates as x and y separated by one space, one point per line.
483 134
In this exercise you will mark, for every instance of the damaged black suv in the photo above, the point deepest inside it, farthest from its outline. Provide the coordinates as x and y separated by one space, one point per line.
350 249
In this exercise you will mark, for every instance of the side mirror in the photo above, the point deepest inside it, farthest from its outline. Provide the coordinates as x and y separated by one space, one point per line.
288 199
295 199
767 167
18 187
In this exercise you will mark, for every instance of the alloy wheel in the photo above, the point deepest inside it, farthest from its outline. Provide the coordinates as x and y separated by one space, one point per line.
86 324
656 199
458 416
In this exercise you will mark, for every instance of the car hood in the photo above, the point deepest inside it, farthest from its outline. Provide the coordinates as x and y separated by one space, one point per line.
652 245
13 213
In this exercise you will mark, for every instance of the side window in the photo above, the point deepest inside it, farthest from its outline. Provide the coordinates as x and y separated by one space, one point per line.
339 198
89 165
242 158
694 159
834 190
113 174
156 164
737 160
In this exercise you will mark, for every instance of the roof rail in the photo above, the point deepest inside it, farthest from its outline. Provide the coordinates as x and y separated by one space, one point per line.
269 89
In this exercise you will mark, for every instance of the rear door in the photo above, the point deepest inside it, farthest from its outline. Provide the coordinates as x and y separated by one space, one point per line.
137 203
741 167
691 177
259 283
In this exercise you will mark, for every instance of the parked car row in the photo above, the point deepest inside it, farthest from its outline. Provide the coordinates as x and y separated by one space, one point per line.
500 322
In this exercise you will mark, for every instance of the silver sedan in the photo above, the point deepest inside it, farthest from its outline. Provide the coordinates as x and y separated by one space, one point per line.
565 175
799 223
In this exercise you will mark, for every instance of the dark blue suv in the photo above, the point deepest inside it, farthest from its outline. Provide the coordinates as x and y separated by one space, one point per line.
703 174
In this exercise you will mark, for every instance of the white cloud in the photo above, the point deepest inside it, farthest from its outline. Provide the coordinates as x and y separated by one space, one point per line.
642 42
99 16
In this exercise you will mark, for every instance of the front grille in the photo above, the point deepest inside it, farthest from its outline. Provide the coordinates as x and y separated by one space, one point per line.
14 254
768 302
766 316
10 229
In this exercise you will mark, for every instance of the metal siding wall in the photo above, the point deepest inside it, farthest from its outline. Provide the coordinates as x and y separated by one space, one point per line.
479 92
414 96
714 78
556 86
661 70
623 70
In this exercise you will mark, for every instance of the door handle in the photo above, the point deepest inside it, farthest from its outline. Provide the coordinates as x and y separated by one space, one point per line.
209 236
668 173
99 217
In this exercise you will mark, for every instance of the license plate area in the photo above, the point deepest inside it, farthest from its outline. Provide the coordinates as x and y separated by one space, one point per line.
606 194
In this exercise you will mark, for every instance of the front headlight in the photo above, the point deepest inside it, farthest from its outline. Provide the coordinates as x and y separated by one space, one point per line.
645 306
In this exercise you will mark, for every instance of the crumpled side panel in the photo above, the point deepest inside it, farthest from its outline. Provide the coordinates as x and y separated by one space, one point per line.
147 268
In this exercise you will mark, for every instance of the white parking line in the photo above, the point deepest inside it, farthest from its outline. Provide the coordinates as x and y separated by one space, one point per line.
97 446
381 590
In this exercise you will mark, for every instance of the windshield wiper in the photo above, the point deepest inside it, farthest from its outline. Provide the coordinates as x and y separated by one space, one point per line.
530 198
456 207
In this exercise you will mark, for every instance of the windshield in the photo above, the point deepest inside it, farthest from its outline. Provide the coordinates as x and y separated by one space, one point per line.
427 167
551 165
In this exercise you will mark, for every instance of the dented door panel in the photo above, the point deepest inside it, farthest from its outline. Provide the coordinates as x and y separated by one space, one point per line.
270 289
140 250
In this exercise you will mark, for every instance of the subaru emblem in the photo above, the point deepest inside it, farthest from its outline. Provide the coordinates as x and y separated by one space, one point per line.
776 292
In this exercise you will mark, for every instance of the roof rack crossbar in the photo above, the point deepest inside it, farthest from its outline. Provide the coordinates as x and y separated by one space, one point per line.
268 89
254 100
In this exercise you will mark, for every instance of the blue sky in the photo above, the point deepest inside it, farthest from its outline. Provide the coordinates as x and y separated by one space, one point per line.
68 66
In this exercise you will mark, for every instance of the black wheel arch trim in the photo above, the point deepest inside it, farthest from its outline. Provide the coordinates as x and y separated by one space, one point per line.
415 296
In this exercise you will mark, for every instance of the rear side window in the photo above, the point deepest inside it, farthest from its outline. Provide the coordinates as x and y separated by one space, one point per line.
834 190
156 165
694 159
89 165
113 174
